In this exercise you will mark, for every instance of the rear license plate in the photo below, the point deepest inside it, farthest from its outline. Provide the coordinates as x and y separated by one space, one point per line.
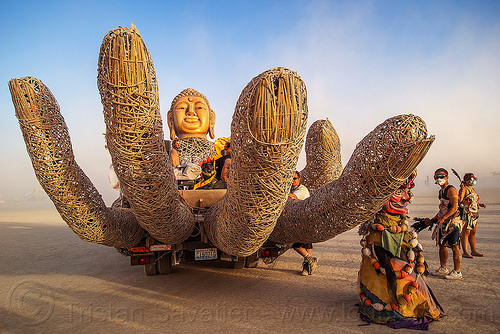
205 254
156 248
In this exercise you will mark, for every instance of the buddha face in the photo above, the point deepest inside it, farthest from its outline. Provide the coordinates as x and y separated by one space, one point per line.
191 116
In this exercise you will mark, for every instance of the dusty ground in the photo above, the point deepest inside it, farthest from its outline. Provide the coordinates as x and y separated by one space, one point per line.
52 282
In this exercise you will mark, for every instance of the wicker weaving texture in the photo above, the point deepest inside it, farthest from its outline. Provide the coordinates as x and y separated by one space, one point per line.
73 194
267 134
322 156
134 135
195 150
380 163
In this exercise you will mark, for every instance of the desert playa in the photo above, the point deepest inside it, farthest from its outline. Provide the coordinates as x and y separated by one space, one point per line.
52 282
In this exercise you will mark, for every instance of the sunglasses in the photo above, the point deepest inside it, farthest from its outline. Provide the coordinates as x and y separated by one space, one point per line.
440 176
296 178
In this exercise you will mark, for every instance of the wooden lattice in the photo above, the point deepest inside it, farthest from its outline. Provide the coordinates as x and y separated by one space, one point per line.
134 136
195 150
322 156
74 196
381 162
267 134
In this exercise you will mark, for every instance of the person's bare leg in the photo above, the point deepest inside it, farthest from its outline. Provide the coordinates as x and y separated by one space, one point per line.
472 241
302 251
443 256
457 258
464 238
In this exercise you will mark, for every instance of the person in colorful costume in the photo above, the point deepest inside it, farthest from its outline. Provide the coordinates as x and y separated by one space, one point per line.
222 167
448 228
208 179
392 284
469 213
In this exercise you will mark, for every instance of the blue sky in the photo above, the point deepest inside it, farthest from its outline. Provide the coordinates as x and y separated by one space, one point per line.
362 62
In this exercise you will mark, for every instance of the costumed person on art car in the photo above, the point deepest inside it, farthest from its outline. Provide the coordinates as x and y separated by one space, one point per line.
208 179
469 213
392 286
222 167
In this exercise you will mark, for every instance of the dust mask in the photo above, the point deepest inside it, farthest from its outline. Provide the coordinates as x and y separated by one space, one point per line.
440 181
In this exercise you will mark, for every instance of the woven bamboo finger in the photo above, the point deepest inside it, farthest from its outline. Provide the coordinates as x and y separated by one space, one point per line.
267 134
323 160
73 194
134 135
380 163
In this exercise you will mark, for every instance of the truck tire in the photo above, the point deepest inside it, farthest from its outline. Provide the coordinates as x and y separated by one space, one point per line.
164 263
252 261
150 269
239 263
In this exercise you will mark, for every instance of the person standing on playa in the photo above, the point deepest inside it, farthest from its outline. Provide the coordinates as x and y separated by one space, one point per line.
449 225
300 191
469 204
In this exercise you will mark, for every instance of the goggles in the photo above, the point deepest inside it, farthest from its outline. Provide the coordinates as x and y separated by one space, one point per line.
440 176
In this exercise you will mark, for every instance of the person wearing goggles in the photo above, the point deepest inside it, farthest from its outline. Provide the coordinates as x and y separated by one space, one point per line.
469 213
448 228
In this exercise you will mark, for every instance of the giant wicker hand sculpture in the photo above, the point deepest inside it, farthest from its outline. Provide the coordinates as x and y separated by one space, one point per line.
267 134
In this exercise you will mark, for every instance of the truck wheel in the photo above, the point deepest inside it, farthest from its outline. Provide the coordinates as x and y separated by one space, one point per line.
239 263
150 269
252 261
164 263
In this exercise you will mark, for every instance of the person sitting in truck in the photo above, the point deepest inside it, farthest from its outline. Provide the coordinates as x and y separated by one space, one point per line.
174 153
222 167
208 175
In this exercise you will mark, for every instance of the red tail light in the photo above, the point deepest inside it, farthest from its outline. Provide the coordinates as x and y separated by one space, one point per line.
265 252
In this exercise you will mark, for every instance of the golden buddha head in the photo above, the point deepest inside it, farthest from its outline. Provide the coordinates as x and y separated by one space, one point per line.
190 115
